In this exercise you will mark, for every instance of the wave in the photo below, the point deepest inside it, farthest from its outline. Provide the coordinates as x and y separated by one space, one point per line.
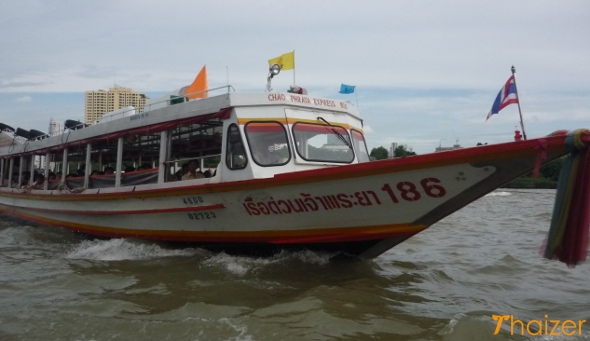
124 249
498 194
241 265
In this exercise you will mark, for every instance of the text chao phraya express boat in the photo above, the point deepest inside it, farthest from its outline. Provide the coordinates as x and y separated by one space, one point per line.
286 171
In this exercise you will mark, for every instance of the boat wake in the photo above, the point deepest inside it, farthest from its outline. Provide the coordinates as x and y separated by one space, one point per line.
121 249
125 249
241 265
498 194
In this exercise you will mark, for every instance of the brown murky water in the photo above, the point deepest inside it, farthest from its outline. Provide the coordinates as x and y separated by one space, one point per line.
444 284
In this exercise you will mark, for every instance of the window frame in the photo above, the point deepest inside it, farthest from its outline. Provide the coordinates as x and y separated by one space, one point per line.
228 146
352 131
250 145
327 126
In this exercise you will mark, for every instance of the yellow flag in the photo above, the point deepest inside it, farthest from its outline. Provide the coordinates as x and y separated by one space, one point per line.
285 61
200 84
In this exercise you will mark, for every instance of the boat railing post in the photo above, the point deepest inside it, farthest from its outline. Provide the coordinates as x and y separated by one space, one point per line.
64 166
1 172
88 167
163 158
46 183
32 175
20 171
10 170
119 162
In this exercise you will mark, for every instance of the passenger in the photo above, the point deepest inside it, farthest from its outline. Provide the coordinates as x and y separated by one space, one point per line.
26 179
129 169
181 172
82 170
52 176
14 180
192 171
39 181
109 170
207 173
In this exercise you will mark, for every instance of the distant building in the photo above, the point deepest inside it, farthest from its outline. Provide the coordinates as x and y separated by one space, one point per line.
395 145
392 149
55 127
100 102
442 149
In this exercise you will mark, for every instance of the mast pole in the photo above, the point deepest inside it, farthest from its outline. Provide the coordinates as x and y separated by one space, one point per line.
513 69
294 68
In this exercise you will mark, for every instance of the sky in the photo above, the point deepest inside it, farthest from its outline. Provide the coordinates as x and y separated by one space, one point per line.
426 72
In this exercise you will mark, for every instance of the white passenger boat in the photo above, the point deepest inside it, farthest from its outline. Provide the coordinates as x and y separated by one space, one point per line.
288 171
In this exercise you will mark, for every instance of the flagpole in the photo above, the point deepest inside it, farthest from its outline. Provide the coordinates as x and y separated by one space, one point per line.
294 69
513 69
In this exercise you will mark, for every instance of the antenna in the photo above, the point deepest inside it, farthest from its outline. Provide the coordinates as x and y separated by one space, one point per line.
455 136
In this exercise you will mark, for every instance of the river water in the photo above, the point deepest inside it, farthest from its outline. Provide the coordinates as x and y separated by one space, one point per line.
443 284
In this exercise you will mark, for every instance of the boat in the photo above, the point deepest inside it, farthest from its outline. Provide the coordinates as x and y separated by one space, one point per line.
288 170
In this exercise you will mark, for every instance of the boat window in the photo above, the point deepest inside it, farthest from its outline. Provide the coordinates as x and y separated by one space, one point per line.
236 153
268 143
316 142
358 140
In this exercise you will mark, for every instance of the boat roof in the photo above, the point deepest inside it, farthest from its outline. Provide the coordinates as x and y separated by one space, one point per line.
155 115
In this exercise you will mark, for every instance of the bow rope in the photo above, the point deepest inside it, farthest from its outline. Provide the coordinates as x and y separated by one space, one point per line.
567 240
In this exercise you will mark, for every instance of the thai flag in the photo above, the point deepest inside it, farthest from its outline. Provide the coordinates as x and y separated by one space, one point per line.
506 96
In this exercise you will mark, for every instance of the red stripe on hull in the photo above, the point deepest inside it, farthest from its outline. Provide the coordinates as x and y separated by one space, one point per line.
163 210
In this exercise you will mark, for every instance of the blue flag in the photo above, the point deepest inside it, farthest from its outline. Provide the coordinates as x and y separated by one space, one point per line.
347 89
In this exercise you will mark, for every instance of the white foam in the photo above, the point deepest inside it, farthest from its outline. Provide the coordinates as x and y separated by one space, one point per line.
123 249
240 265
242 330
498 194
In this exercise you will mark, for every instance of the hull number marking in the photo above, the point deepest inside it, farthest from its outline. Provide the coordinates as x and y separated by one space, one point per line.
201 215
403 190
192 200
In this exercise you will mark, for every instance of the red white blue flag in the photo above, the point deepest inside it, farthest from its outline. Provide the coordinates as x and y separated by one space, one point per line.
506 97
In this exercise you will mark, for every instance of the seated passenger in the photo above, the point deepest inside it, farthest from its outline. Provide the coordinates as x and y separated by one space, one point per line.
192 171
181 172
129 169
39 180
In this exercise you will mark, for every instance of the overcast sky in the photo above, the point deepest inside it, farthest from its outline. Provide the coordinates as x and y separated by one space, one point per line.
426 72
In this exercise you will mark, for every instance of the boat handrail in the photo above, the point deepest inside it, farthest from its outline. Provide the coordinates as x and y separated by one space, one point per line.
185 97
168 162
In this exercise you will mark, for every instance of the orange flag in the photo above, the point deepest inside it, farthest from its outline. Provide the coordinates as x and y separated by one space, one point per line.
200 84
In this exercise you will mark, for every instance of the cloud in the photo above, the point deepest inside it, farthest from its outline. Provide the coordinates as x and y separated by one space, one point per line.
24 99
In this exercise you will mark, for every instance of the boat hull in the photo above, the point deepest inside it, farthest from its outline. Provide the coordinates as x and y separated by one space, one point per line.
362 209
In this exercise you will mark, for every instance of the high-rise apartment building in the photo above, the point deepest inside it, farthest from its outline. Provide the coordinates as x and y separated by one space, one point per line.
100 102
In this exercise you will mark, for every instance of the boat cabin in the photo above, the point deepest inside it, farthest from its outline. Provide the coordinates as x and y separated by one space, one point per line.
226 137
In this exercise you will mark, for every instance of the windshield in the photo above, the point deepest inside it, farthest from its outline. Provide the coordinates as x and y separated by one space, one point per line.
317 142
268 143
360 146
